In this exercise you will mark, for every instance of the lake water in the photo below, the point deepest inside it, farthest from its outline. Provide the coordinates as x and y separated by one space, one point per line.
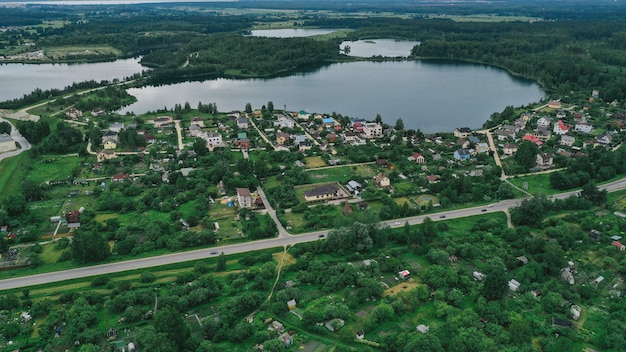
379 47
290 32
19 79
431 96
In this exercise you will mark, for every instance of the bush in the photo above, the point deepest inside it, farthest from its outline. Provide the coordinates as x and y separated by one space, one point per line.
99 281
147 277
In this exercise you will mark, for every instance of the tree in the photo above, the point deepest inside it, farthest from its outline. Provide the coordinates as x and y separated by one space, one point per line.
526 155
89 246
270 106
200 146
399 125
378 119
5 127
171 323
495 283
520 331
248 108
591 192
221 262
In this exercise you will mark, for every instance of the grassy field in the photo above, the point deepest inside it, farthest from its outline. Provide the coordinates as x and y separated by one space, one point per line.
12 172
537 184
68 51
55 168
313 162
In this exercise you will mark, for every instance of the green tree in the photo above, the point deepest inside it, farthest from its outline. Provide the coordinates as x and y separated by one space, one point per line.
520 332
89 246
171 323
221 262
5 127
399 124
248 108
495 283
270 106
526 155
591 192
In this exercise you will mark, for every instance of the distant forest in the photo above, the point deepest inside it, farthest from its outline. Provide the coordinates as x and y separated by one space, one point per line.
578 47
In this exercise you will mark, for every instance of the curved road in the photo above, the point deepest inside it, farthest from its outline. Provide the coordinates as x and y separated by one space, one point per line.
284 239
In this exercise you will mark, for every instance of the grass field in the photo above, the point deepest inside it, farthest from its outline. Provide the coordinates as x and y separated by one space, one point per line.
313 162
68 51
12 172
536 184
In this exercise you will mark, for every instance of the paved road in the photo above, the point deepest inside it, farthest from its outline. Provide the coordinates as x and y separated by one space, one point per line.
15 134
284 239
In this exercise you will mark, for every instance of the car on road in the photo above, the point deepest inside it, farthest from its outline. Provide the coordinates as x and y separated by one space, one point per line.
213 252
483 210
442 216
397 223
322 236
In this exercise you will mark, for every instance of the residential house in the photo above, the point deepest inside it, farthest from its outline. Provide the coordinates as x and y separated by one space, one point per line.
303 115
242 123
149 138
73 216
353 185
506 132
278 326
482 148
372 130
561 114
583 127
116 127
73 113
358 126
575 310
543 133
418 158
567 141
382 162
286 339
462 132
423 328
162 121
545 159
120 177
282 138
106 154
532 139
347 209
382 181
543 122
560 128
604 139
323 192
514 285
302 142
98 112
213 139
404 274
109 144
109 135
331 137
562 323
284 122
349 136
554 104
462 154
509 149
197 121
244 198
432 178
618 245
478 276
291 304
195 131
328 122
7 143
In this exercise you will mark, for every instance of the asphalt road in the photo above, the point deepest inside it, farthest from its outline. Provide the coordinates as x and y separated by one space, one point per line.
283 240
15 134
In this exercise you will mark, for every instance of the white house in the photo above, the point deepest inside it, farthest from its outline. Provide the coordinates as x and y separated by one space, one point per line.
560 128
567 141
583 127
244 197
543 122
372 130
510 149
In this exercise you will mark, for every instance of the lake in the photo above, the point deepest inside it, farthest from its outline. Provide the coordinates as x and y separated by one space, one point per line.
20 79
433 96
379 47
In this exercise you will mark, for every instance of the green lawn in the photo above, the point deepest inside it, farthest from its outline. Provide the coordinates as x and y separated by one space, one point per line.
12 172
537 184
55 168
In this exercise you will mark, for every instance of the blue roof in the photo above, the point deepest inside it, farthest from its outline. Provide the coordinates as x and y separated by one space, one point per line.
328 120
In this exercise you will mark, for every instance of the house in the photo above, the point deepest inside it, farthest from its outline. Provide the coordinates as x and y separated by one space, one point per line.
462 154
604 139
595 234
482 148
506 132
358 126
543 122
509 149
372 130
349 136
418 158
106 154
291 304
213 139
382 162
98 112
109 144
162 121
7 143
328 122
566 274
567 141
73 216
244 198
462 132
116 127
575 311
278 326
282 138
347 209
619 246
382 181
73 113
242 143
404 274
432 178
514 285
242 123
303 115
284 122
554 104
478 275
543 133
561 114
583 127
562 323
331 137
286 339
109 135
422 328
360 335
522 259
545 159
532 139
197 121
120 177
353 185
560 128
324 192
195 131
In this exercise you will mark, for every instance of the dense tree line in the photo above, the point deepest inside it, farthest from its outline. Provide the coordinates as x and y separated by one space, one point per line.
600 164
